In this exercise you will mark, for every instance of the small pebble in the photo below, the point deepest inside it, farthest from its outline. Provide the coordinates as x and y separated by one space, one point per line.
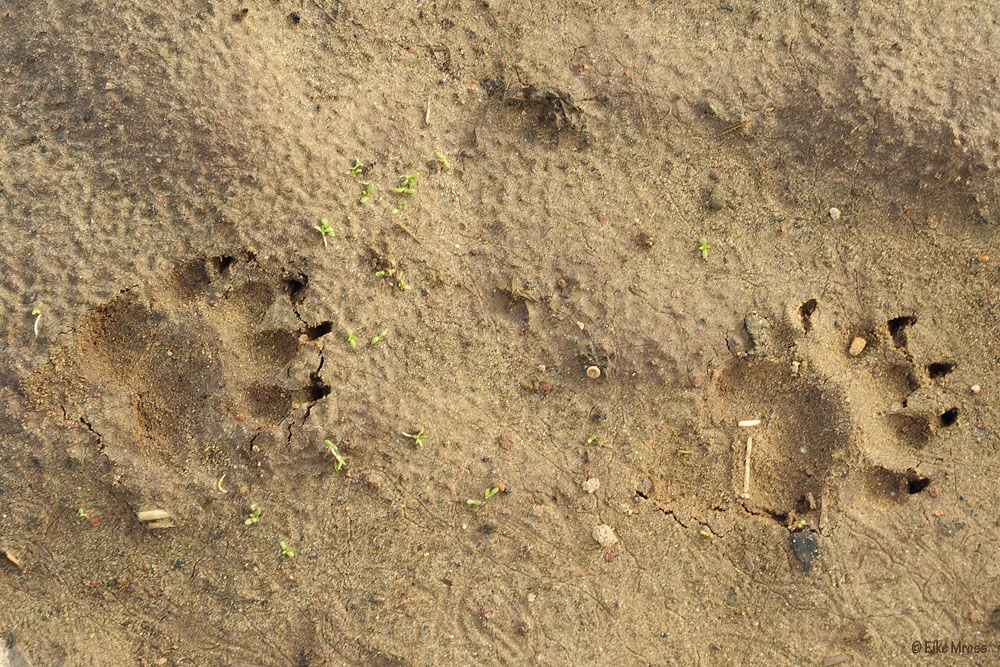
604 535
835 213
591 485
716 202
934 492
939 513
984 258
975 389
857 346
714 175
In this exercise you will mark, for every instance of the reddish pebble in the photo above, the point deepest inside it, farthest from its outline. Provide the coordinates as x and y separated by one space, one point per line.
609 557
410 49
714 175
939 513
601 217
984 258
676 293
95 583
96 520
239 416
975 389
934 492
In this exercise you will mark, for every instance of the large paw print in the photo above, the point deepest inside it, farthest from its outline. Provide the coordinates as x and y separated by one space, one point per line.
196 373
855 420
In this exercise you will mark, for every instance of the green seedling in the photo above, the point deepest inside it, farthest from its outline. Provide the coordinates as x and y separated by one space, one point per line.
339 461
442 159
80 512
487 494
398 209
254 517
285 551
376 339
408 185
591 439
401 284
705 532
683 451
704 248
357 168
385 272
418 437
352 340
366 193
37 312
324 228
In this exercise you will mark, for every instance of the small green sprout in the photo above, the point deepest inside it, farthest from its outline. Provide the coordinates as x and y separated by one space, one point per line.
442 159
80 512
357 168
285 551
37 312
705 532
398 209
683 451
352 340
366 193
254 517
340 461
704 248
402 285
591 439
418 437
385 272
487 494
376 339
324 228
408 185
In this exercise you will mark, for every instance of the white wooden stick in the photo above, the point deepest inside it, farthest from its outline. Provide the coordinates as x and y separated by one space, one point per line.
746 469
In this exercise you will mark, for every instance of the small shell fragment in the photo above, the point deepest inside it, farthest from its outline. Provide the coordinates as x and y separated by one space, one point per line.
857 346
152 515
593 372
13 559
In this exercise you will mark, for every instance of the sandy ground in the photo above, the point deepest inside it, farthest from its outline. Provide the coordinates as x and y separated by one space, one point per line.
705 202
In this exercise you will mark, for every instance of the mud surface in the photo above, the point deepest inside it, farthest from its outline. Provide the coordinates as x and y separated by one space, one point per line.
708 202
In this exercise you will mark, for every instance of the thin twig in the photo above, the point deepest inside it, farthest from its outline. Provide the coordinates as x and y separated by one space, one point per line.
746 469
403 227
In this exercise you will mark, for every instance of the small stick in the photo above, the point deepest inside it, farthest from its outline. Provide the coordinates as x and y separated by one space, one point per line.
823 505
746 469
732 128
427 114
412 235
746 423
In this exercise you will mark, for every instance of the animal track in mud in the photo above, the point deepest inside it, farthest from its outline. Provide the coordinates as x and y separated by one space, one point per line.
829 416
212 363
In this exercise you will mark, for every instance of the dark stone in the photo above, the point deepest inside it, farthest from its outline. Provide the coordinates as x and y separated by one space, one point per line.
805 546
